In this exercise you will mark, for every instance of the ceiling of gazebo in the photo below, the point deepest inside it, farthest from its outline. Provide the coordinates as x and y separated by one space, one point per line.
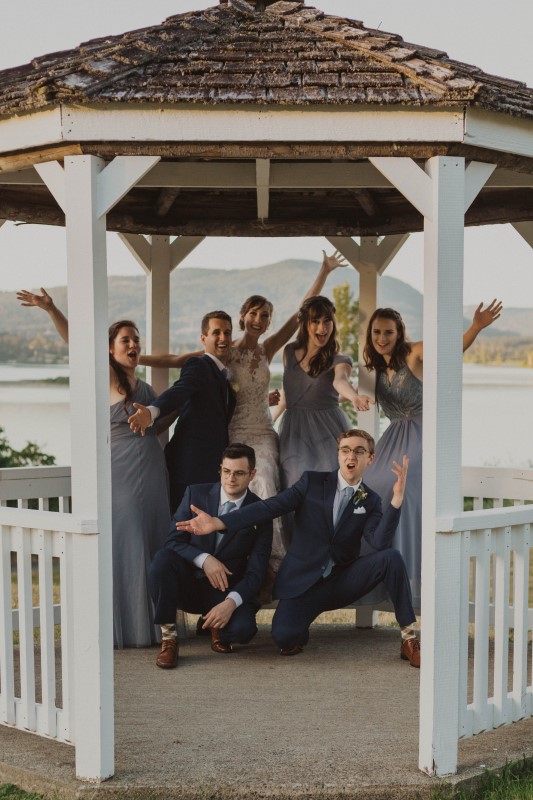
367 91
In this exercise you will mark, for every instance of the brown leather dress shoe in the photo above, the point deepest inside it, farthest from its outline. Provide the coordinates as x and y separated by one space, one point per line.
168 657
291 651
216 645
410 651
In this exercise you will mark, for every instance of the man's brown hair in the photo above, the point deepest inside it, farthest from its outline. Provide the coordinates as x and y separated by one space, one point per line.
214 315
362 435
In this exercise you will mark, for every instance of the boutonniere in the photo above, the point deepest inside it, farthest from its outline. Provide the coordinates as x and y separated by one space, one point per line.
234 387
359 495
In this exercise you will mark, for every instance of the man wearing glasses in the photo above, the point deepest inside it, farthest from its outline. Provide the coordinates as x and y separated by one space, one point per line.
216 576
323 569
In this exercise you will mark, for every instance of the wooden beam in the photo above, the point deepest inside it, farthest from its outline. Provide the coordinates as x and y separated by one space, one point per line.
17 161
262 178
165 200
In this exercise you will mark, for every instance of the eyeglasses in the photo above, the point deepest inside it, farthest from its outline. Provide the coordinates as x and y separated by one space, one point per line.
230 473
357 451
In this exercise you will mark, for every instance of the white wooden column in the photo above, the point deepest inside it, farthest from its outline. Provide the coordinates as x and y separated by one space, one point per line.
442 193
370 258
158 257
86 190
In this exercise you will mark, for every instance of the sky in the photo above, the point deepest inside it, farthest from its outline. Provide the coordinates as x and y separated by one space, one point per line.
493 36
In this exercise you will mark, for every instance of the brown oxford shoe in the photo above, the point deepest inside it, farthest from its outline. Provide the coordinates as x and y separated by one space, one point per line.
410 651
168 657
291 651
216 645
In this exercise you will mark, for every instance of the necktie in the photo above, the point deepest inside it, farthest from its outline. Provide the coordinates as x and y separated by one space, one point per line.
345 499
228 506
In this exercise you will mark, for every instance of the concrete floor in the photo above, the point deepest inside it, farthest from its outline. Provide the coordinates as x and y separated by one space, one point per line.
338 721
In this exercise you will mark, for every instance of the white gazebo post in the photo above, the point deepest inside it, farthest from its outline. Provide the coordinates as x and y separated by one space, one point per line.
86 190
158 257
441 194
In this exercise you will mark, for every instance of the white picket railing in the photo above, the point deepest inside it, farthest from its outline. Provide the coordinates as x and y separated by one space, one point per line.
495 559
36 674
35 550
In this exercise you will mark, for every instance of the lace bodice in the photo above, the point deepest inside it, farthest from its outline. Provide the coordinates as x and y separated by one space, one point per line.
250 379
402 396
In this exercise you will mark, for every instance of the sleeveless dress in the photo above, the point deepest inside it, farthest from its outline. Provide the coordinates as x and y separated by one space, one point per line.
401 401
251 424
141 521
312 420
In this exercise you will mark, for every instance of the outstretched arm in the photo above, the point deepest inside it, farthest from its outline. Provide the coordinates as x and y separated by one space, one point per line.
167 360
281 337
342 385
45 302
483 317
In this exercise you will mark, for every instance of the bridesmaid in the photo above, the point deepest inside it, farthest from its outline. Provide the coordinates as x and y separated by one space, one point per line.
399 365
140 511
315 375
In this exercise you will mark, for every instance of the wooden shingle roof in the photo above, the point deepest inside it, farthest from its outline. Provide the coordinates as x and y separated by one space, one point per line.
288 54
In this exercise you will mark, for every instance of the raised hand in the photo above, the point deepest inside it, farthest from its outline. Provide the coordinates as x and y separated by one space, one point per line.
141 420
332 262
200 525
398 489
43 300
483 317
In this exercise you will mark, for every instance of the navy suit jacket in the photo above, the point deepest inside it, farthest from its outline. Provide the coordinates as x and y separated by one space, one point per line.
245 551
205 402
314 538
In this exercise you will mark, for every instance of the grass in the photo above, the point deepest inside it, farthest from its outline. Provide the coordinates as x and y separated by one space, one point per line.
513 782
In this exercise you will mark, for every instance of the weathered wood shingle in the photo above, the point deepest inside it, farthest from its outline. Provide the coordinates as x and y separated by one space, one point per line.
287 54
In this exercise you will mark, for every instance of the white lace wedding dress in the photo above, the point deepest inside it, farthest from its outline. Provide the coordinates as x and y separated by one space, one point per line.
251 424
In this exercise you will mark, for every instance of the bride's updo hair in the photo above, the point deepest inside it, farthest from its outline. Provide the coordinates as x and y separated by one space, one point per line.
122 378
254 301
314 308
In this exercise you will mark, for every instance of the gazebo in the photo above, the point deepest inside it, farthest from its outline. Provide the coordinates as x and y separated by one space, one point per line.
263 119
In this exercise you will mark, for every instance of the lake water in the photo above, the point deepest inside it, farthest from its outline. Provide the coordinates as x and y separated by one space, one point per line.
497 404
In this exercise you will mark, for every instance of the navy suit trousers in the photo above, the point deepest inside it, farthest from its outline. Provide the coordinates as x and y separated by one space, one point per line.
341 588
176 583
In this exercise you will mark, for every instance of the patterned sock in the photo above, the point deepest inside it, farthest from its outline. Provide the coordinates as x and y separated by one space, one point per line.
169 631
407 633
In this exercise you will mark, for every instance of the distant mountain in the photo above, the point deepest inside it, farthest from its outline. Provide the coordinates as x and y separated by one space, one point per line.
195 291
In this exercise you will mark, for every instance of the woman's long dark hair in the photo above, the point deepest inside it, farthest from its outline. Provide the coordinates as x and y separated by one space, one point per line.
373 359
314 308
124 386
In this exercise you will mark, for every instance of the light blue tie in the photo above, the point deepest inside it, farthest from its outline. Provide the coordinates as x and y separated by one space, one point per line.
228 506
345 499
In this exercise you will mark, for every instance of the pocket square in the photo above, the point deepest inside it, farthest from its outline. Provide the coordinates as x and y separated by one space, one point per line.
359 510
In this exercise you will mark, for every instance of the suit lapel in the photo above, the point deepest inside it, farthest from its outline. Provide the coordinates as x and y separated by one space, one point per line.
221 381
330 487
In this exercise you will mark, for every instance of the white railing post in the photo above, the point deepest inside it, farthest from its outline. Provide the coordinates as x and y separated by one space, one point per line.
91 641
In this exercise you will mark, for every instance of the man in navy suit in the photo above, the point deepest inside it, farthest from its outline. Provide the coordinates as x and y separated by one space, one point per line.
205 402
323 568
217 576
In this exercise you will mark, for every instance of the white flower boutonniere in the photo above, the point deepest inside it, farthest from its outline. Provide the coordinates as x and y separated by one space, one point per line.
359 495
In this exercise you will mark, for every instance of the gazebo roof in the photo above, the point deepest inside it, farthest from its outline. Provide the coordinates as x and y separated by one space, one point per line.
287 54
265 120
